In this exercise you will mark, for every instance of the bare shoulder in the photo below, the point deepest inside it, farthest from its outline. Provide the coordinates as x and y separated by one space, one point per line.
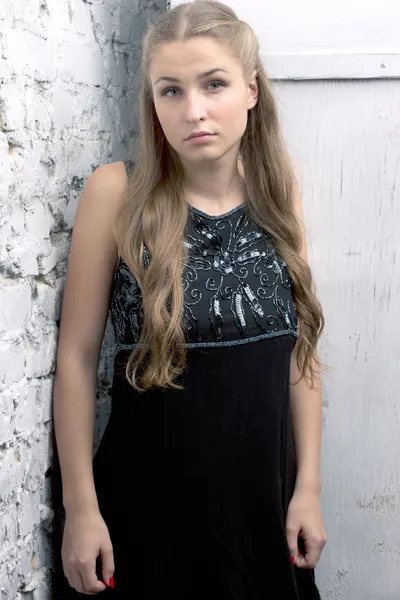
104 189
101 197
114 170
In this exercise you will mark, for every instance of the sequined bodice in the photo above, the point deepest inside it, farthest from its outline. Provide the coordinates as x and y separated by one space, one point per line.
236 287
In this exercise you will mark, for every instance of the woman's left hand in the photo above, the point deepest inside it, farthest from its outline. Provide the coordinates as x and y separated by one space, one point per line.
304 519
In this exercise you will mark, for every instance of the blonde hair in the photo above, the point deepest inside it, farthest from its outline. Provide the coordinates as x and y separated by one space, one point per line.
153 215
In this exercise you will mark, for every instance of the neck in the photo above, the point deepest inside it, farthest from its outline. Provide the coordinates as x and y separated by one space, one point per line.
215 186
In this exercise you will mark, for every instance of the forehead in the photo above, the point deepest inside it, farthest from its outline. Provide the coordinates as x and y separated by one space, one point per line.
190 56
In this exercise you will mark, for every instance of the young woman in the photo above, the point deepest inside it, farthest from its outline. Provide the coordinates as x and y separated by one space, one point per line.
206 482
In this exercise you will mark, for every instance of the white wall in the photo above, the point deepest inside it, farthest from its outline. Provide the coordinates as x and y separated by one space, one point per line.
67 93
336 67
344 136
67 87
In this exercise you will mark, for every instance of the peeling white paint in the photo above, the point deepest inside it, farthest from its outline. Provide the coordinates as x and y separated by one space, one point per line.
336 67
68 72
56 126
344 138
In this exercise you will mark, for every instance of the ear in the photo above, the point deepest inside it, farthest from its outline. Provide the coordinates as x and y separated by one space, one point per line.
252 90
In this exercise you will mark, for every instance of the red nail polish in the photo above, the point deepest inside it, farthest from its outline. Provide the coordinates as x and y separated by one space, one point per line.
111 582
293 560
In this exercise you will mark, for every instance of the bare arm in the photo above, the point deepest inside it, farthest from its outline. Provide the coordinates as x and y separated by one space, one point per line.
305 405
304 518
306 416
84 315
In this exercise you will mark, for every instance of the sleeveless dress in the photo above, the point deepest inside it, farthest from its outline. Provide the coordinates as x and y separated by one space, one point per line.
194 484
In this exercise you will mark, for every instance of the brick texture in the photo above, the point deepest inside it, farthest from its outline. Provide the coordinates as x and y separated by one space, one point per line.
67 104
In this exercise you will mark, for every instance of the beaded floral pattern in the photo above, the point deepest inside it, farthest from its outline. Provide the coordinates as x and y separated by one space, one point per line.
236 287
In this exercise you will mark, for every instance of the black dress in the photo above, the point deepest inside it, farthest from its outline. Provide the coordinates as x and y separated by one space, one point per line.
194 485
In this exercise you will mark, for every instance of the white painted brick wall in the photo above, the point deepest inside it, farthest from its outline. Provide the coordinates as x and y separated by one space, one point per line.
67 92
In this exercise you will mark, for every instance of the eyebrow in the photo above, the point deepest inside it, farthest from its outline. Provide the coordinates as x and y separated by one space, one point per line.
200 76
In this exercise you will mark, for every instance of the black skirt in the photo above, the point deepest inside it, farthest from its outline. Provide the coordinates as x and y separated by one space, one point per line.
194 485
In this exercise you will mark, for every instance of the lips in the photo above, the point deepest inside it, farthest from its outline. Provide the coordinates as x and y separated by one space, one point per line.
204 133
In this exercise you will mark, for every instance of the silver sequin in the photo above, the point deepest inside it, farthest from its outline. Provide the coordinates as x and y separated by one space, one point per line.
236 287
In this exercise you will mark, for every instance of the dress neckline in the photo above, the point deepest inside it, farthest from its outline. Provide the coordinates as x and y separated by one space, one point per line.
215 217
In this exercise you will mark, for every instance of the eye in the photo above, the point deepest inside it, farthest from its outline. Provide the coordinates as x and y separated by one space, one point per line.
167 90
219 83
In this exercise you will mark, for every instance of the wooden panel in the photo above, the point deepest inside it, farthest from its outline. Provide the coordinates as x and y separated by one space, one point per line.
345 139
347 39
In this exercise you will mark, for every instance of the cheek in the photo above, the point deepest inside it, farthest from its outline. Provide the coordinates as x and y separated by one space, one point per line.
167 120
231 105
234 117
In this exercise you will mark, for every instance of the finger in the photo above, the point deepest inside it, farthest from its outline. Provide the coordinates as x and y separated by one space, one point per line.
68 576
90 581
77 582
292 535
310 558
107 564
85 591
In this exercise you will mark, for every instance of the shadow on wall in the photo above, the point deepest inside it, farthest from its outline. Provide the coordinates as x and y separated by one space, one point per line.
115 132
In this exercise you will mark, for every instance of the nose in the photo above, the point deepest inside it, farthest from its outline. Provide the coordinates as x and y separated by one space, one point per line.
194 107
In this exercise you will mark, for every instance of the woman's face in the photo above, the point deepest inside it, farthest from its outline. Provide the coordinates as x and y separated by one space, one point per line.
188 97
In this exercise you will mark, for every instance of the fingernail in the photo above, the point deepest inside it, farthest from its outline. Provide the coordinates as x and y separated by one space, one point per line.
111 582
293 560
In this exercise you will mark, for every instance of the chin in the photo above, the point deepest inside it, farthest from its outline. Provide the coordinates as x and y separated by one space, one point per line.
199 154
202 157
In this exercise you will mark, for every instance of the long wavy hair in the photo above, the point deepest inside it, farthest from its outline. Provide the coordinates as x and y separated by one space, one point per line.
153 216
